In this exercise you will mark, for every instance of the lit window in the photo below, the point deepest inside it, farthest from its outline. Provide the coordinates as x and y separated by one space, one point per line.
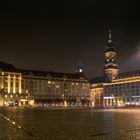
49 82
66 90
5 96
11 96
57 86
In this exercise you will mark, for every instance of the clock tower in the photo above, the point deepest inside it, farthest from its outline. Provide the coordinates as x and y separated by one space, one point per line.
111 69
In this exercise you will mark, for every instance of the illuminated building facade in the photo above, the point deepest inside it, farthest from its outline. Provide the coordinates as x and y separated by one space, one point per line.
114 88
10 88
30 87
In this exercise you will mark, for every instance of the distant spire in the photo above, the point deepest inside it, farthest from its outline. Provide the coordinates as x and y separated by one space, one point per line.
109 39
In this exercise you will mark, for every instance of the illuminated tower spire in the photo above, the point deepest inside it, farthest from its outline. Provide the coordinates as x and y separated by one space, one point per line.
110 39
111 68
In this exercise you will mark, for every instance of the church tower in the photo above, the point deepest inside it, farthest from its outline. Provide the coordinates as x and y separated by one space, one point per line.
111 69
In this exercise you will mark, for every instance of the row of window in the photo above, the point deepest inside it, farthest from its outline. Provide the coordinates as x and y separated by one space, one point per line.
133 84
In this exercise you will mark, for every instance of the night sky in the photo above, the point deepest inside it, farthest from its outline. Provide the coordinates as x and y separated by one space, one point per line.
57 35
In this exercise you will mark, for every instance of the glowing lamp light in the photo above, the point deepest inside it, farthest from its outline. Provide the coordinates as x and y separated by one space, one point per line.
31 103
5 96
137 103
80 70
6 103
13 123
8 119
92 103
110 97
119 104
19 127
128 103
49 82
65 103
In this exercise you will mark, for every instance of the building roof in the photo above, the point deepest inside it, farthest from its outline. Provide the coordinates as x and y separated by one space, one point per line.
96 80
51 74
5 66
128 74
10 68
103 79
